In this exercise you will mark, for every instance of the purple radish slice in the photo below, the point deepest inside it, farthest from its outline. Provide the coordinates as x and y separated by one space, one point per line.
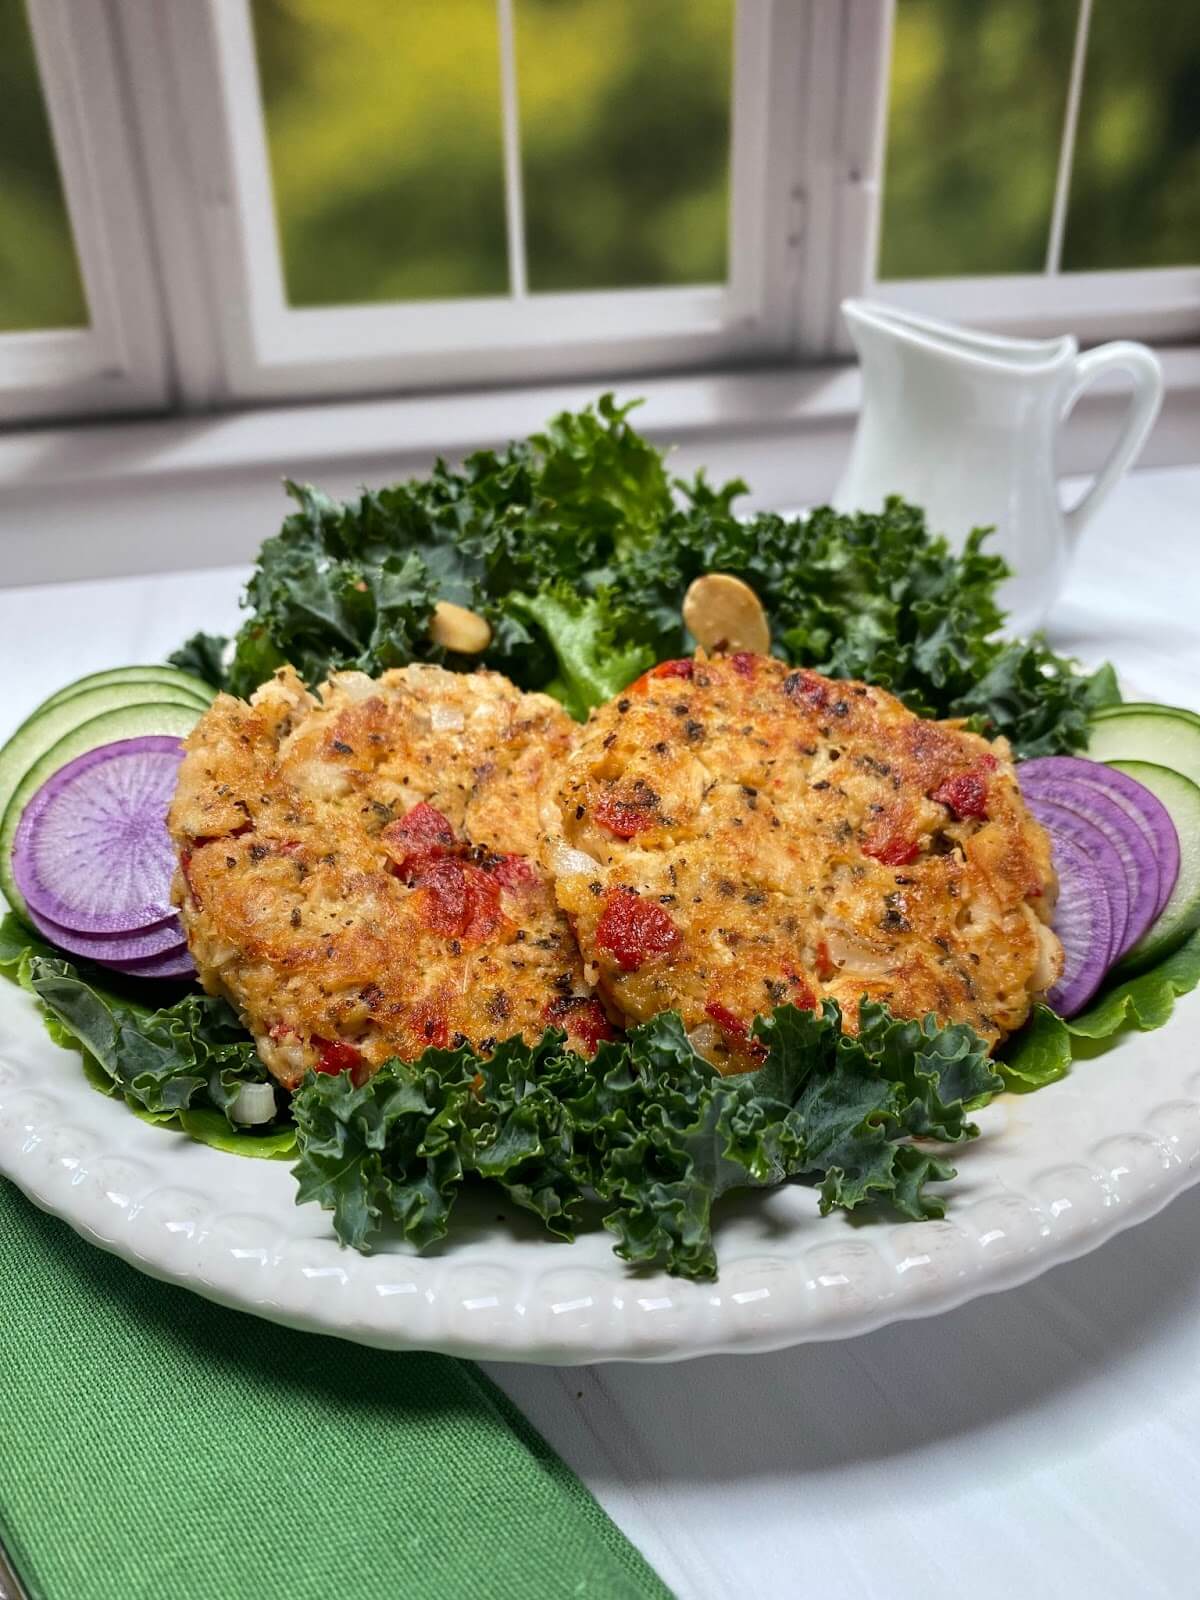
92 850
1083 923
1138 860
159 939
173 964
1133 797
1062 823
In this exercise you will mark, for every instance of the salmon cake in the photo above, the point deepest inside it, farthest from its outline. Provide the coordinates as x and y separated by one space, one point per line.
358 869
734 834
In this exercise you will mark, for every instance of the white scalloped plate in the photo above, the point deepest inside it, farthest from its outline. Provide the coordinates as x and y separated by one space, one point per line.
1053 1175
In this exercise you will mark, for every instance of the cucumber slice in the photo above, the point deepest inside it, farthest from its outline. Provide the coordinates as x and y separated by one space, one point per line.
50 723
123 722
1150 707
169 677
1181 914
1158 734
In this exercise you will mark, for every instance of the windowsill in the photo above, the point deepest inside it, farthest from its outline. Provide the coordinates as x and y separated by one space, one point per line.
104 498
276 438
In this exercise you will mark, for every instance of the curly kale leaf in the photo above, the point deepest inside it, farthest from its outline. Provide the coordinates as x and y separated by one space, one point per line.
872 596
204 656
353 584
578 549
1041 1052
592 665
648 1128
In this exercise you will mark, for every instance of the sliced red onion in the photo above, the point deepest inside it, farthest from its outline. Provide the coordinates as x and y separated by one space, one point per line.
1145 809
1061 823
1124 831
160 939
1083 923
174 964
92 850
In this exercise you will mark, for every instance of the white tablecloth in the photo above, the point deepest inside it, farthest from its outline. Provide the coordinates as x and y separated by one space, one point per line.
1041 1443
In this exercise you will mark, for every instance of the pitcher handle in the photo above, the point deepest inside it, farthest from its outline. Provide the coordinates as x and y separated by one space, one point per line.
1145 369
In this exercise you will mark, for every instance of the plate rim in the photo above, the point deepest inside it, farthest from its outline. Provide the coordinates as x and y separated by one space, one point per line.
61 1143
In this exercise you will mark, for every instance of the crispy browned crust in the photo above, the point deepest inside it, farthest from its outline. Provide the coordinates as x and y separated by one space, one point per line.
759 802
293 891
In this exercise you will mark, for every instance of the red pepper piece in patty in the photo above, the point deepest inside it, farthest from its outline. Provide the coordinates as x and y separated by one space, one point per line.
513 872
743 663
421 835
892 849
624 817
682 668
673 669
807 689
335 1055
966 793
459 900
632 929
582 1017
735 1030
891 840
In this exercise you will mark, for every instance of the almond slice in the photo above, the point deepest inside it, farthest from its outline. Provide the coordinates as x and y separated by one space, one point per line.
723 613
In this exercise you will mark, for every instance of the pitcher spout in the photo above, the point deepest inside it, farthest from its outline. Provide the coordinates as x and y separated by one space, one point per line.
874 325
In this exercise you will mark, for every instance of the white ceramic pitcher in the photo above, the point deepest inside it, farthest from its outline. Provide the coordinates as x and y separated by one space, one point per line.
966 425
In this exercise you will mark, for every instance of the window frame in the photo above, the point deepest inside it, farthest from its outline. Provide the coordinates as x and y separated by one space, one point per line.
210 180
118 361
1156 303
156 108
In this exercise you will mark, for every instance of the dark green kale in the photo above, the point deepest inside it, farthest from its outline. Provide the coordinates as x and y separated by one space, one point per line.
578 548
648 1130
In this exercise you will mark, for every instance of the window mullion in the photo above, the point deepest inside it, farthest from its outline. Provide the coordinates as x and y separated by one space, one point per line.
514 188
119 361
163 54
845 94
1066 153
764 169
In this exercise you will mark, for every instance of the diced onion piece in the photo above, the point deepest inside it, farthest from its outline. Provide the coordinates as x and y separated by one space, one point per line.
565 861
863 959
255 1104
446 719
706 1040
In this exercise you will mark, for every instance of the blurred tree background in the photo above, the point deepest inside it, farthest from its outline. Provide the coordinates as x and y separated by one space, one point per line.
384 127
384 132
978 93
40 286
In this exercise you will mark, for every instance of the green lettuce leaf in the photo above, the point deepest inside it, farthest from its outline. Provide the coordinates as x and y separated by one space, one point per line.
582 632
648 1129
1145 1001
182 1064
1041 1052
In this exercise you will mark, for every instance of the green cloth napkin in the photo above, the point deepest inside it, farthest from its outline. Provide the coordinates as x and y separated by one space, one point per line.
153 1444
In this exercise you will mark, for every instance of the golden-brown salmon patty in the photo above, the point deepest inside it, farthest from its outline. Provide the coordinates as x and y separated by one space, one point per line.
752 835
358 871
